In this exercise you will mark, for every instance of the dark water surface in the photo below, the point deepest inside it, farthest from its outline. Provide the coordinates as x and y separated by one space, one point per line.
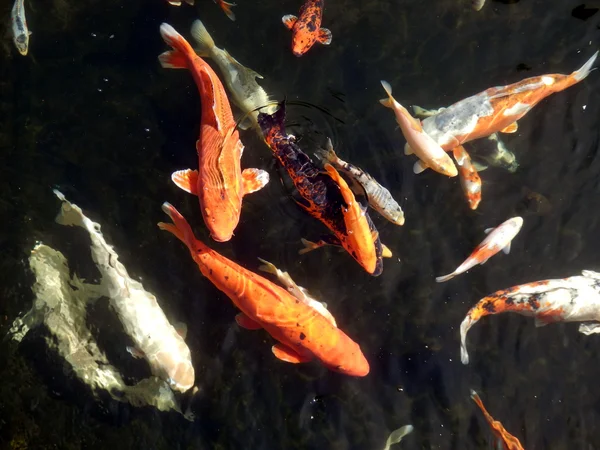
91 112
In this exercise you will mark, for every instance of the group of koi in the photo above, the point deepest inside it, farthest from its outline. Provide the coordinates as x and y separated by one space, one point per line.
329 192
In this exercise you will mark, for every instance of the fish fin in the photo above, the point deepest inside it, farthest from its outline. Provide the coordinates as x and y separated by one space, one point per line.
181 229
488 230
267 266
171 228
174 2
396 436
286 354
585 69
135 352
512 128
539 322
483 262
386 252
324 36
254 180
506 249
387 102
245 123
173 59
226 7
479 167
419 167
445 278
187 180
309 246
408 149
589 328
246 322
204 41
181 329
289 20
327 154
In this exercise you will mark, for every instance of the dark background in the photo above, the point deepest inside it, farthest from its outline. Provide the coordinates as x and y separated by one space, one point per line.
90 112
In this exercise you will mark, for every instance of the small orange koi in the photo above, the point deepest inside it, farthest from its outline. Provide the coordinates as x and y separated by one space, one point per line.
507 440
306 29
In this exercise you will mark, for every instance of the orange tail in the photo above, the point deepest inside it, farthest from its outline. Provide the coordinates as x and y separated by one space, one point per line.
182 53
181 229
508 440
226 7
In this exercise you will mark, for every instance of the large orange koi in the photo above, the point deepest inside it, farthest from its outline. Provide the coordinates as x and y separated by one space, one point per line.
306 29
506 440
220 183
303 332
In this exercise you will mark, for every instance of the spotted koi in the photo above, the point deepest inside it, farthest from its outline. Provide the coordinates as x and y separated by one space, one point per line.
306 28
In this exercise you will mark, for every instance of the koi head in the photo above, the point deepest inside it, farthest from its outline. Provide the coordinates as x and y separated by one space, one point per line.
221 223
178 373
355 364
22 43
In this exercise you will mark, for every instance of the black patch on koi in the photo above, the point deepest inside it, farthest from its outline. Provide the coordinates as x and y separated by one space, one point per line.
509 301
489 307
226 277
534 301
302 336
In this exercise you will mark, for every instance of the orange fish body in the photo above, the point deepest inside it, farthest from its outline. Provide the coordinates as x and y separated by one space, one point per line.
469 178
219 183
302 331
306 29
508 441
496 109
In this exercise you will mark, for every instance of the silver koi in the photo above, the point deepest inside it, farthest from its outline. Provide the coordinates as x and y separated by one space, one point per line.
19 27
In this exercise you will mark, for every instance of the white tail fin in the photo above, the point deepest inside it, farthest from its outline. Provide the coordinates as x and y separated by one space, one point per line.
204 41
585 69
445 277
387 102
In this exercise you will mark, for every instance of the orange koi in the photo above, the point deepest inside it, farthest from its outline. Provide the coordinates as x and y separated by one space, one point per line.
303 332
220 183
573 299
306 29
507 440
324 197
497 109
469 178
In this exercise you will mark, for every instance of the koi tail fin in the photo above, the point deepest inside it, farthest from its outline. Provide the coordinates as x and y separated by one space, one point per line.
179 56
267 266
273 122
204 41
445 278
387 102
308 246
327 154
181 229
69 215
585 70
466 324
226 7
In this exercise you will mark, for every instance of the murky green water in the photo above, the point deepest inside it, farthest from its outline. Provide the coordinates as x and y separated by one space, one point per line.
91 112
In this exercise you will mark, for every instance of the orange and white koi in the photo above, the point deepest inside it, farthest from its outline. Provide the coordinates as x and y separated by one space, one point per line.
506 441
306 28
498 238
303 332
573 299
219 182
19 27
497 108
430 154
469 178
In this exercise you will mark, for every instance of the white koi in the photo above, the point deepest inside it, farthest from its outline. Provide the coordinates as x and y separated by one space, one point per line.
19 27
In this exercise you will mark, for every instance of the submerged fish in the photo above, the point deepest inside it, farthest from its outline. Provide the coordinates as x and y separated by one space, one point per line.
246 93
497 108
219 182
469 178
324 196
477 4
573 299
306 28
498 238
506 441
430 154
380 199
144 321
303 332
396 436
495 153
19 27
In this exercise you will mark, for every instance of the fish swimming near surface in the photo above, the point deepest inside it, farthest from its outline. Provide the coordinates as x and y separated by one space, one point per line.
430 154
144 321
219 182
497 109
380 199
246 93
303 332
306 28
325 195
469 178
573 299
19 27
506 441
498 238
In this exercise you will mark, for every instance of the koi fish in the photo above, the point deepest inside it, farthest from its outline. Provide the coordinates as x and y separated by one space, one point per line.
226 7
380 199
246 93
469 178
573 299
506 440
309 246
297 291
430 154
220 183
497 108
477 4
325 196
498 238
142 317
19 27
303 332
306 29
396 436
495 153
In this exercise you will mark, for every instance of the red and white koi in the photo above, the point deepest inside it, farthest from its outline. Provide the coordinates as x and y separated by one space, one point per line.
19 27
430 154
469 178
306 28
573 299
498 238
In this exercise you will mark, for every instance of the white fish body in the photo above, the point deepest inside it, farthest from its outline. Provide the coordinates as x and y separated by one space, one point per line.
19 27
140 314
498 238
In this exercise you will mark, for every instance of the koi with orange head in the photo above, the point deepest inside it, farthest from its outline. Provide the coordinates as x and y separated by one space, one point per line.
219 182
573 299
303 332
306 28
324 196
506 440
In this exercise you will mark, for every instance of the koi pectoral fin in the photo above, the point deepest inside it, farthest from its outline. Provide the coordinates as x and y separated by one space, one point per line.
286 354
254 180
289 20
506 249
324 37
512 128
246 322
135 352
589 328
419 167
186 180
387 253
